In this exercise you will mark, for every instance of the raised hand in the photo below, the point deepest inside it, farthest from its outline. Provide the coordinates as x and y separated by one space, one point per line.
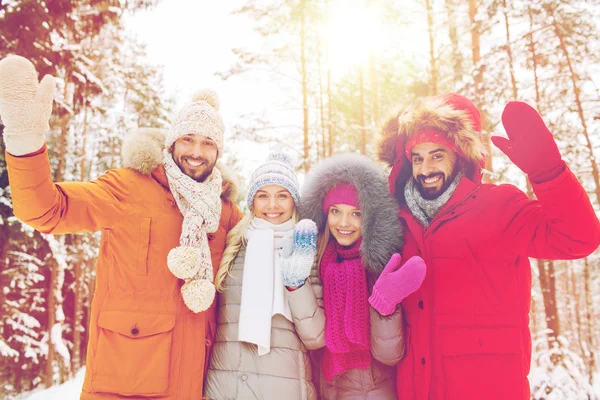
396 282
25 105
530 145
296 267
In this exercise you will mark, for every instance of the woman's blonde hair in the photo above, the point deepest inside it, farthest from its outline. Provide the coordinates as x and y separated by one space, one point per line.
235 241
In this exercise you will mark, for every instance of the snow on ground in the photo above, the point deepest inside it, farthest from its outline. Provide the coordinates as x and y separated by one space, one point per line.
70 390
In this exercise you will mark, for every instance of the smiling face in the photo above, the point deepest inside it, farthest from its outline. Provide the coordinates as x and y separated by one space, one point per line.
345 223
195 156
274 204
433 168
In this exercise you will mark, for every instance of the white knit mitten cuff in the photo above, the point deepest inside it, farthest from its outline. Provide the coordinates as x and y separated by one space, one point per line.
296 268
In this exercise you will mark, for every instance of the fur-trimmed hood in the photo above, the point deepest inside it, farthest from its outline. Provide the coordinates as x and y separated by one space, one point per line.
451 113
142 152
382 232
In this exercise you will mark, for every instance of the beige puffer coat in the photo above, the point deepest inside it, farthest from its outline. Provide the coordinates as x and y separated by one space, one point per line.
382 237
237 372
378 381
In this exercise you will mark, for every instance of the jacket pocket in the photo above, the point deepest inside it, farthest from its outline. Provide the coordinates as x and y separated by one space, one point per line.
143 245
133 353
482 361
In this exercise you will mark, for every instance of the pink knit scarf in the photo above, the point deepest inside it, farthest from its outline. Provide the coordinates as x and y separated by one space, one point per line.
346 308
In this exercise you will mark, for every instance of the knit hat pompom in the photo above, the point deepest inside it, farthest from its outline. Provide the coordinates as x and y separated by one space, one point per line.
183 261
200 117
341 194
209 96
278 169
281 157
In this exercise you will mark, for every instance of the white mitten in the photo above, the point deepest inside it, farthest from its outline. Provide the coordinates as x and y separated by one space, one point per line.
296 268
25 105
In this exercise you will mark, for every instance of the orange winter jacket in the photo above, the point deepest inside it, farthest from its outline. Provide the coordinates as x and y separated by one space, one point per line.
143 340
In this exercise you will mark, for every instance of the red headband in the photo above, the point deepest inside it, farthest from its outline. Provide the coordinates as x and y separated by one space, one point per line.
430 136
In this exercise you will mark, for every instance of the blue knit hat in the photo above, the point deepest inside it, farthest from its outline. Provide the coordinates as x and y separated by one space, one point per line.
277 170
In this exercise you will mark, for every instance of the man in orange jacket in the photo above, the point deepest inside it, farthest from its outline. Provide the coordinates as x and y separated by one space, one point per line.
164 219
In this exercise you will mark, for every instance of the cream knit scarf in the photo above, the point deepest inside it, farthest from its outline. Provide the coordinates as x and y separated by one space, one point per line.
263 292
200 205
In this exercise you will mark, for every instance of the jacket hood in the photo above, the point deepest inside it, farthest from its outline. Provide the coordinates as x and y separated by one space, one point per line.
142 152
453 114
382 232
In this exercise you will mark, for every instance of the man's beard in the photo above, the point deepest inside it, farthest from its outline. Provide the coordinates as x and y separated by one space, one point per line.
197 175
432 193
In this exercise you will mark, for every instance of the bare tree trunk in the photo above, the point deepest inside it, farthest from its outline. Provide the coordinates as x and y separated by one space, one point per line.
80 265
322 153
590 322
3 266
51 311
77 317
304 85
453 34
376 115
62 141
330 130
570 300
84 137
511 68
478 79
577 311
534 60
363 128
533 315
548 285
330 127
432 59
91 286
577 92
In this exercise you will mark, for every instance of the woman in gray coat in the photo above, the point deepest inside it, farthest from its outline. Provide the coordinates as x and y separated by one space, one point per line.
349 309
257 353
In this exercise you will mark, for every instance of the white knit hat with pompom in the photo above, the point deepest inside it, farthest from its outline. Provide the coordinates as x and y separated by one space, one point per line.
200 117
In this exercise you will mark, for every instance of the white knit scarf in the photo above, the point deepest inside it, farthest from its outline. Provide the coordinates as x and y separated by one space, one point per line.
200 205
263 291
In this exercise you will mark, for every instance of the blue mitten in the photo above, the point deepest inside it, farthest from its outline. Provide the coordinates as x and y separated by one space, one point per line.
296 267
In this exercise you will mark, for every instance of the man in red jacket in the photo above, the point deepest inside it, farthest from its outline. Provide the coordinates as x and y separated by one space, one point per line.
466 328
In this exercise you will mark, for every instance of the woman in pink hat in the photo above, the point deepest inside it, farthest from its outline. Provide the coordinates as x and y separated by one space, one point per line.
350 309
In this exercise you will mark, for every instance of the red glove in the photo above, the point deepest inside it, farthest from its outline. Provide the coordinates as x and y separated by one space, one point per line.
530 145
395 283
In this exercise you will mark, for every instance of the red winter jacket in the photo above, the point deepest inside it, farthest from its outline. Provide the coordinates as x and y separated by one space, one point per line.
466 328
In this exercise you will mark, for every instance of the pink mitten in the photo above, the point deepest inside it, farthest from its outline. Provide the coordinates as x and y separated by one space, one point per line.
395 283
530 145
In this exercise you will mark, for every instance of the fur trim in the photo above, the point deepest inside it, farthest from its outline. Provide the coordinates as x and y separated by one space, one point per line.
432 112
231 183
142 152
142 149
382 232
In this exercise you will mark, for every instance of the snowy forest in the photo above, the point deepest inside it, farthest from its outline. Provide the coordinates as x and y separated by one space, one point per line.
344 66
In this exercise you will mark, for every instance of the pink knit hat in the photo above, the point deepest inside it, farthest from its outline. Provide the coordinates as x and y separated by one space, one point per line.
341 194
